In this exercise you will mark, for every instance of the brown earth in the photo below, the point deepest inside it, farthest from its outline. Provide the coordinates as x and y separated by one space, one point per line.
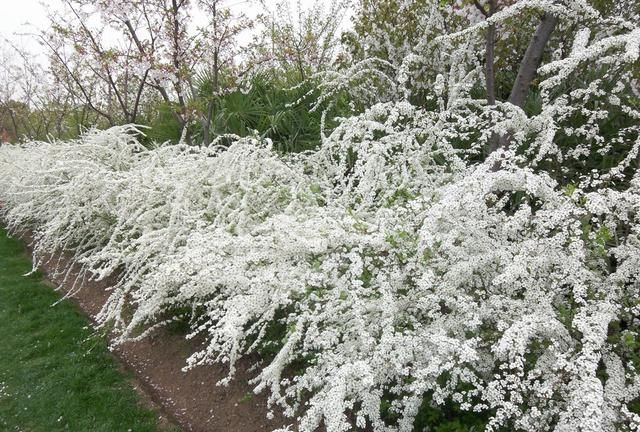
190 400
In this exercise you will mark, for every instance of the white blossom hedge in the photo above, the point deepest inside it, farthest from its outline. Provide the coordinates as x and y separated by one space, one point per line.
393 271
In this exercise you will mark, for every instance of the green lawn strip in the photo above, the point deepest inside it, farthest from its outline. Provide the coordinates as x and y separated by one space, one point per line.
56 374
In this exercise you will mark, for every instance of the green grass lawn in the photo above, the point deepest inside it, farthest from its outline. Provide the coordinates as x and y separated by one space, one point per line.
55 373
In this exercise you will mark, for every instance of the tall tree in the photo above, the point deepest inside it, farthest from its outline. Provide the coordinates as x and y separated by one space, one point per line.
303 38
219 68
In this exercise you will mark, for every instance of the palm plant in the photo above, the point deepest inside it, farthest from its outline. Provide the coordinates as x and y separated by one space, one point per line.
273 106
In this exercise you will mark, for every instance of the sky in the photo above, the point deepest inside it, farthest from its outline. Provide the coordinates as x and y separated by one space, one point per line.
23 16
20 17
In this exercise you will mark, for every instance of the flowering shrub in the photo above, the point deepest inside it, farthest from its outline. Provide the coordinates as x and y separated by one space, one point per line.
391 270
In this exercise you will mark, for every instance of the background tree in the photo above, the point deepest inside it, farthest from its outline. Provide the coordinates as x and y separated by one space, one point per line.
219 69
33 104
303 38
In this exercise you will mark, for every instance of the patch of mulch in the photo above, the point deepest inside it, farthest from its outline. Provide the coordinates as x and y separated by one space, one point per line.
191 400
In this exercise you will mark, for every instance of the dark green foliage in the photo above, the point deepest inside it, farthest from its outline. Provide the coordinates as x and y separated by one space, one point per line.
163 125
274 106
445 418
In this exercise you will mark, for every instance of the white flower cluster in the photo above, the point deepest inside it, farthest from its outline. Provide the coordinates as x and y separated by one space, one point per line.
385 269
381 261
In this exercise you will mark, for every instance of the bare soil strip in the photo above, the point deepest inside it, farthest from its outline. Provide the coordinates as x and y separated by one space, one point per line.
191 400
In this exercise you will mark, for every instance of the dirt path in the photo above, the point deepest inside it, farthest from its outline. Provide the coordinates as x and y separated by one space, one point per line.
190 400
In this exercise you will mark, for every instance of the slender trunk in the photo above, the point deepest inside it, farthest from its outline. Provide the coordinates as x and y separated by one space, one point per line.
216 83
490 74
14 123
528 68
532 59
207 123
175 10
136 104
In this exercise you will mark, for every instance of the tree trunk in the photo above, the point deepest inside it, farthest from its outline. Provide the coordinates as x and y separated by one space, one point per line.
207 123
532 59
528 68
490 75
489 72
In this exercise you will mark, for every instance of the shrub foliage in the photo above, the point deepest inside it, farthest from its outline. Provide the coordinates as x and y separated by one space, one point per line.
395 270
